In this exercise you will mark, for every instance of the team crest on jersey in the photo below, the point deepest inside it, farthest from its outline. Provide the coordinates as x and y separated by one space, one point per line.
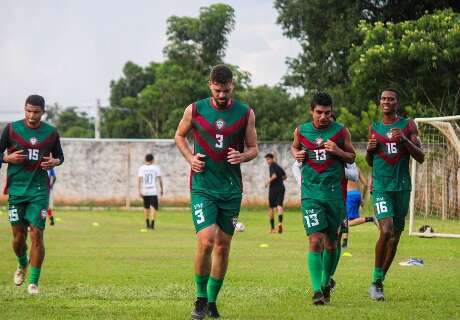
33 141
234 221
220 124
319 141
43 213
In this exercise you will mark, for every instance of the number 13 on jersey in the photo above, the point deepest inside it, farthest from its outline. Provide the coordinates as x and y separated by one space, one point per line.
219 141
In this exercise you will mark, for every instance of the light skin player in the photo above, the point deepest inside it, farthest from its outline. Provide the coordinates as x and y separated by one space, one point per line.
225 137
322 146
33 148
392 141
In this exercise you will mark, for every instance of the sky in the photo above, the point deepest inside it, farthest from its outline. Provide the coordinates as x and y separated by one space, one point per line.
69 50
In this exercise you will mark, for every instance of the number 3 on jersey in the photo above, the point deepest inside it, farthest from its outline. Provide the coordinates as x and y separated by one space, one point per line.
219 141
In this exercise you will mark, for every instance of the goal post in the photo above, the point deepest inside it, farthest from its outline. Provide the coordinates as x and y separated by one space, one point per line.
435 196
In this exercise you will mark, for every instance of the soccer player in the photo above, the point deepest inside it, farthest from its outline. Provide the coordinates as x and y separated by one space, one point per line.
147 178
52 180
276 192
222 127
322 146
33 148
354 201
392 142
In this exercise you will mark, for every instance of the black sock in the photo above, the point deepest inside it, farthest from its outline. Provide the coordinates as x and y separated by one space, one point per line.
147 222
280 218
272 223
344 242
153 224
369 219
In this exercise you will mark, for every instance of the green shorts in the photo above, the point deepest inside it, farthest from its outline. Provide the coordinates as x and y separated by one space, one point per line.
394 204
323 216
209 209
28 210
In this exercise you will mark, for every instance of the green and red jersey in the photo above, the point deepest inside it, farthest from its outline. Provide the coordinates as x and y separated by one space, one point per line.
323 174
28 178
216 130
390 164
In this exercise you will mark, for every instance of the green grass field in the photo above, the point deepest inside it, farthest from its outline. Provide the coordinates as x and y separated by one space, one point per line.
114 271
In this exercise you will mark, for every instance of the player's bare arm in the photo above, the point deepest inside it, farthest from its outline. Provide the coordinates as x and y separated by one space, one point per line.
272 178
371 147
412 143
185 125
160 181
347 154
296 148
363 181
250 140
139 183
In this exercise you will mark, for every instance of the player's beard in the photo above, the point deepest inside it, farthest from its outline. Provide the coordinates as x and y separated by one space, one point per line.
222 103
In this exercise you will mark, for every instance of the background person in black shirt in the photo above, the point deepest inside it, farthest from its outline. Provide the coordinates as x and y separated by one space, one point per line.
275 192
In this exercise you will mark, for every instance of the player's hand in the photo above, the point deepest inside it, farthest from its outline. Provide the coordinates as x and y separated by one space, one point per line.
140 195
397 134
234 156
300 156
16 157
196 162
49 162
372 143
331 147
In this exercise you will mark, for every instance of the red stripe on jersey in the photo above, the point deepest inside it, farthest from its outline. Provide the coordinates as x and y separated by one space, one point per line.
390 160
212 130
20 140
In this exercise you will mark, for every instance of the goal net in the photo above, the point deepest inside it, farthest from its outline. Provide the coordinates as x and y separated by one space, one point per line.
435 205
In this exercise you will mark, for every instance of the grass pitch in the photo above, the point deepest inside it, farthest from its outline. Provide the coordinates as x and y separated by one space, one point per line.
114 271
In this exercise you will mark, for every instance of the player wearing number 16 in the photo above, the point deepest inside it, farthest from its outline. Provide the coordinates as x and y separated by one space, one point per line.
322 146
392 142
222 127
33 148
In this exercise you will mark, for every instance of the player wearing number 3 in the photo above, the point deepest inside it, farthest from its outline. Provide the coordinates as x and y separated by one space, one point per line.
392 142
33 148
322 147
222 127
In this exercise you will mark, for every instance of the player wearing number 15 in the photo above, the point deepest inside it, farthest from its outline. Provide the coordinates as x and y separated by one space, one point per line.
33 148
322 146
392 142
222 127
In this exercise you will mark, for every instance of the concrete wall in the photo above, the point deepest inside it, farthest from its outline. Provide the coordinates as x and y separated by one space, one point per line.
104 172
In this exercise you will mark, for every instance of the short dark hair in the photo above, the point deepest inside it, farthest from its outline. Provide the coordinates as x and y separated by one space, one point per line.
321 99
392 90
36 100
221 74
149 157
269 156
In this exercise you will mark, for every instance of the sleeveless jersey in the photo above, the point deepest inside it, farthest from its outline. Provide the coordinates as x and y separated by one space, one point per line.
390 170
28 178
215 131
323 176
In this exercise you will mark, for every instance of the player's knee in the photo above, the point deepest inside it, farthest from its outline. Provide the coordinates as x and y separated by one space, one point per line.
206 244
316 242
222 248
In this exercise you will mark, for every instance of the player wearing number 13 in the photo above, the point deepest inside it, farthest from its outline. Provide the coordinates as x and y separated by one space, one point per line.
222 127
392 142
322 147
33 148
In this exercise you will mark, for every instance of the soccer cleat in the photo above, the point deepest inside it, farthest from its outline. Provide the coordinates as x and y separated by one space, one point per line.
19 276
51 221
212 311
280 228
376 291
327 294
33 289
332 284
318 298
199 312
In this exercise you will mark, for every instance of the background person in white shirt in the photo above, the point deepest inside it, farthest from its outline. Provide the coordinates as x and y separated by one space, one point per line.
147 177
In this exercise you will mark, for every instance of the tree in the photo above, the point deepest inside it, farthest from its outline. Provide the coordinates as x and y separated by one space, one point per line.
74 124
149 102
326 30
420 58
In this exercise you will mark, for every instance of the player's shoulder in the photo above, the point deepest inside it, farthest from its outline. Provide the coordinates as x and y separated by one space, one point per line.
240 104
48 126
